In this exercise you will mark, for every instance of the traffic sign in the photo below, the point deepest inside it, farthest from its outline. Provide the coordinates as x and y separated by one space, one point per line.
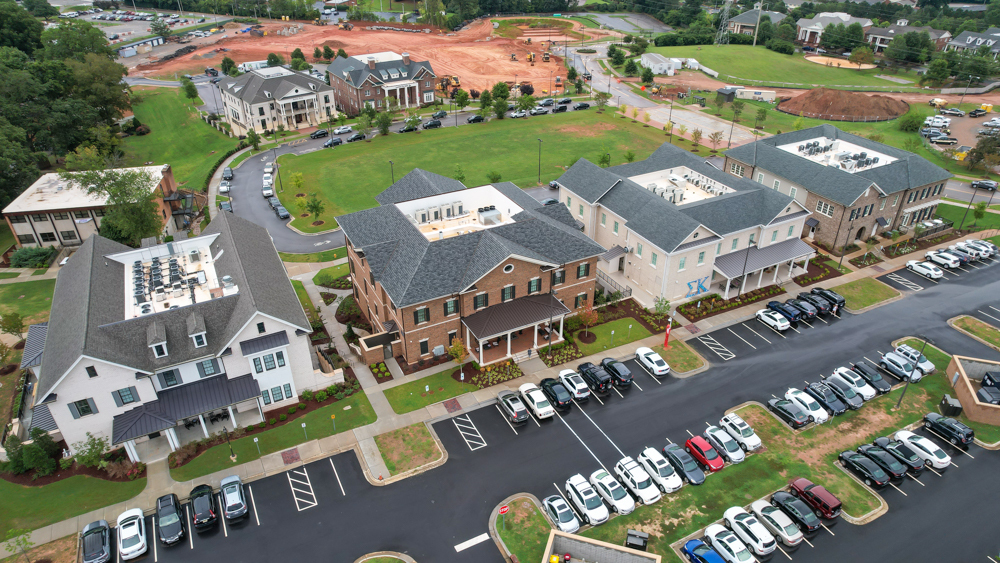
504 509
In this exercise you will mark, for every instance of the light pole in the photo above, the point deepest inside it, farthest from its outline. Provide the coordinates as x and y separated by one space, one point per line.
232 454
912 370
962 224
539 161
392 171
670 117
843 251
550 82
967 89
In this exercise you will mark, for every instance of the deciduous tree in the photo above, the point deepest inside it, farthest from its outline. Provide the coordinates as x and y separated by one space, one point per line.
131 200
75 39
715 138
862 56
588 317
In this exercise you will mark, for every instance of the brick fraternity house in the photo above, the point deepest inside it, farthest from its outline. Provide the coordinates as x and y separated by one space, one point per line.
489 265
371 79
150 347
264 98
675 225
880 37
54 212
856 186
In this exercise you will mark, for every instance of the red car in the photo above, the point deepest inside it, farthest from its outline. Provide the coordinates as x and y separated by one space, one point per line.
701 450
817 497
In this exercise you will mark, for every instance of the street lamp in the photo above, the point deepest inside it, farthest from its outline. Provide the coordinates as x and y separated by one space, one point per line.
670 117
843 251
971 199
967 89
550 82
232 454
539 161
392 171
912 370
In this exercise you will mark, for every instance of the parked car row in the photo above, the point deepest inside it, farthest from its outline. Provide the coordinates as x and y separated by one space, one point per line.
956 255
170 521
804 307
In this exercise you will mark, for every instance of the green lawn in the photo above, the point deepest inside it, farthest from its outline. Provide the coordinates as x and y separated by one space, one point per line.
332 273
411 396
979 328
6 237
177 137
407 448
524 530
318 425
956 214
40 272
680 357
9 275
31 299
604 337
506 146
325 256
864 292
34 507
758 63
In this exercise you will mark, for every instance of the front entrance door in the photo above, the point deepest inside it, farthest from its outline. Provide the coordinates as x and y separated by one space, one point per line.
621 264
387 351
861 234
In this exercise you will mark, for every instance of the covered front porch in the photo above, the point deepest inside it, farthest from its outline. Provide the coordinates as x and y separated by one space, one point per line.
186 413
503 331
744 267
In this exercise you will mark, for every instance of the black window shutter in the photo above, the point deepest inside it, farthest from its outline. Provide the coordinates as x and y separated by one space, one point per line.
215 364
93 407
486 300
416 318
135 393
553 279
73 410
513 291
586 269
427 314
163 382
201 369
117 397
446 308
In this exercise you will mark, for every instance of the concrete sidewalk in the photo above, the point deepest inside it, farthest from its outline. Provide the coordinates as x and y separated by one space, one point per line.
361 440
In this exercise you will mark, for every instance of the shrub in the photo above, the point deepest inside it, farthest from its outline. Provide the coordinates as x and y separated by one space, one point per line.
66 463
292 409
302 406
780 46
911 122
321 396
142 130
90 452
262 425
31 257
272 421
183 454
339 395
307 395
283 417
119 469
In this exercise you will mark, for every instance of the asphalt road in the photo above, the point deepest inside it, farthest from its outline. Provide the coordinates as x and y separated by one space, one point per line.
631 23
329 505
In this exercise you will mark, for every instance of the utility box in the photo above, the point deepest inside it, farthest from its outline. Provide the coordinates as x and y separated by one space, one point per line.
950 406
991 379
636 540
989 395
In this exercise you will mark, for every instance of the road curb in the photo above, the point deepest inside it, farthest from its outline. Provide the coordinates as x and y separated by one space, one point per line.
951 323
866 518
416 470
321 233
377 554
496 512
880 303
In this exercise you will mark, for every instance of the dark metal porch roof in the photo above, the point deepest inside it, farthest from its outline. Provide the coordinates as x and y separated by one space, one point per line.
737 263
515 314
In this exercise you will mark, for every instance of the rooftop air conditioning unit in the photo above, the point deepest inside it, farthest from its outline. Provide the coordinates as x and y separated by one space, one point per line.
227 281
194 256
420 215
434 213
651 187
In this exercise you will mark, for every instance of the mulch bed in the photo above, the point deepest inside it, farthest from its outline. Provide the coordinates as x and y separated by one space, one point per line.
76 469
8 369
19 345
215 440
709 309
409 369
487 376
928 242
863 262
817 272
586 336
381 375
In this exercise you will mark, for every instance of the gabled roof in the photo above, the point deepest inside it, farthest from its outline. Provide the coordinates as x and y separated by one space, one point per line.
823 19
254 87
661 222
356 72
88 305
34 345
829 182
975 40
749 17
894 30
413 269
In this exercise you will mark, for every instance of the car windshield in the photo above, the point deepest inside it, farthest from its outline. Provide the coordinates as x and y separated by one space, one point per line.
576 381
903 451
743 555
938 453
592 501
810 404
875 376
728 443
907 367
745 431
828 395
169 519
894 465
133 540
845 389
665 470
542 404
565 515
689 464
616 491
202 503
644 483
809 517
711 454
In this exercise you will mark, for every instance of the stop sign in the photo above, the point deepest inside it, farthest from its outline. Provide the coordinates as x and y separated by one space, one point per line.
504 509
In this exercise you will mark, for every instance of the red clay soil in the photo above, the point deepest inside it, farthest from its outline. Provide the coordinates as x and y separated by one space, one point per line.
833 103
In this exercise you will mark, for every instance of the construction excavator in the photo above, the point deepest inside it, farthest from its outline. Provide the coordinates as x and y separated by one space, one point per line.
346 26
531 58
513 56
447 82
545 56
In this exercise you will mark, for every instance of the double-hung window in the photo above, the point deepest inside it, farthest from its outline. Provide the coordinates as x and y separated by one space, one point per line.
507 293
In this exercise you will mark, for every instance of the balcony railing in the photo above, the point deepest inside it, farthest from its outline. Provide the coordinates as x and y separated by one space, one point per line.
611 284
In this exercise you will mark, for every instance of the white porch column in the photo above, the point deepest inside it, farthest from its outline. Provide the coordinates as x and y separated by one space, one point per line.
468 340
130 450
203 427
728 281
260 409
482 351
232 416
534 329
172 439
807 263
743 283
760 277
508 344
560 326
406 94
775 280
790 266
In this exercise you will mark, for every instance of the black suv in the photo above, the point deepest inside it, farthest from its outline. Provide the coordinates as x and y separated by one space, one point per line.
203 506
831 296
595 377
821 304
318 133
439 114
97 542
559 109
407 128
227 173
914 464
846 394
581 105
556 393
620 375
826 398
170 526
788 412
474 119
566 101
808 311
872 376
797 510
949 428
332 142
432 124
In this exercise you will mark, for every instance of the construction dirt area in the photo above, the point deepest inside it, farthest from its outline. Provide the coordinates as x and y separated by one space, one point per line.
842 105
476 55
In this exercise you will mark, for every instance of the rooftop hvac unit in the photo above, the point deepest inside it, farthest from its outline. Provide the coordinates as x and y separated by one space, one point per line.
420 215
677 180
802 148
697 182
848 165
657 190
864 155
651 187
227 281
457 208
875 160
194 256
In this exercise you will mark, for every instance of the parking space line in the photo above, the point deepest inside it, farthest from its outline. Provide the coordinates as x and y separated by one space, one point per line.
898 489
190 527
923 276
994 308
473 542
301 503
154 542
582 443
255 516
689 432
934 471
725 353
988 315
741 338
636 384
827 529
785 554
805 539
793 328
955 465
772 330
954 446
961 268
974 266
805 323
502 415
599 429
755 332
917 480
619 392
822 319
649 373
222 518
594 395
337 475
470 433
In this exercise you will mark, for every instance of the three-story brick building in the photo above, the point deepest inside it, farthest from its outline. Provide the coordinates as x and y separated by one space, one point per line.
373 78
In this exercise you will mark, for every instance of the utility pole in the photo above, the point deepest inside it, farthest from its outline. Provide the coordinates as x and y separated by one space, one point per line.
760 10
722 36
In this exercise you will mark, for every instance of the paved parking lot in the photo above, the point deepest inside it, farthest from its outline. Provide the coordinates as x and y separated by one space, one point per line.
907 280
753 337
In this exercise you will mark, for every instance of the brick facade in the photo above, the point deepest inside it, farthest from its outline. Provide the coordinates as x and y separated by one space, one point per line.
351 99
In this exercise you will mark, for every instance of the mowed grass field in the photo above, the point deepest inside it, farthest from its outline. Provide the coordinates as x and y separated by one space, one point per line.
349 177
177 137
758 63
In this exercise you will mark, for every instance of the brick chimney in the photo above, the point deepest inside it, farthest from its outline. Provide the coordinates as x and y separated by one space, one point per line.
406 59
371 63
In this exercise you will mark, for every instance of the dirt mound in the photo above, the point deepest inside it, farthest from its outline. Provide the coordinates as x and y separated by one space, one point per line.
234 25
841 105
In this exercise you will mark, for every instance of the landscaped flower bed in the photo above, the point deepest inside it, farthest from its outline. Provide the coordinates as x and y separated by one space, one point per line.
713 304
381 372
862 261
487 376
561 353
818 271
421 365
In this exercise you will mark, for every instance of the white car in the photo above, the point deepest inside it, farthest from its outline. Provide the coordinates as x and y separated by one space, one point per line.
724 444
942 259
574 384
808 405
224 187
773 320
268 180
777 522
663 474
974 252
131 534
925 269
652 361
636 480
612 492
858 383
342 130
587 503
751 532
269 168
536 401
994 249
518 113
727 544
561 514
741 432
925 449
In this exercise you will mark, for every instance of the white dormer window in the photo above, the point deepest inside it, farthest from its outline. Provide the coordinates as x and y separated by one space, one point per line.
990 42
312 87
979 41
199 340
969 39
159 350
266 93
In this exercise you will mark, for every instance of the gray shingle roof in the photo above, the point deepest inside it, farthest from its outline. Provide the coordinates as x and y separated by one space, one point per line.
266 342
962 40
253 88
418 184
41 417
909 171
657 220
356 72
894 30
88 306
749 17
413 270
34 345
